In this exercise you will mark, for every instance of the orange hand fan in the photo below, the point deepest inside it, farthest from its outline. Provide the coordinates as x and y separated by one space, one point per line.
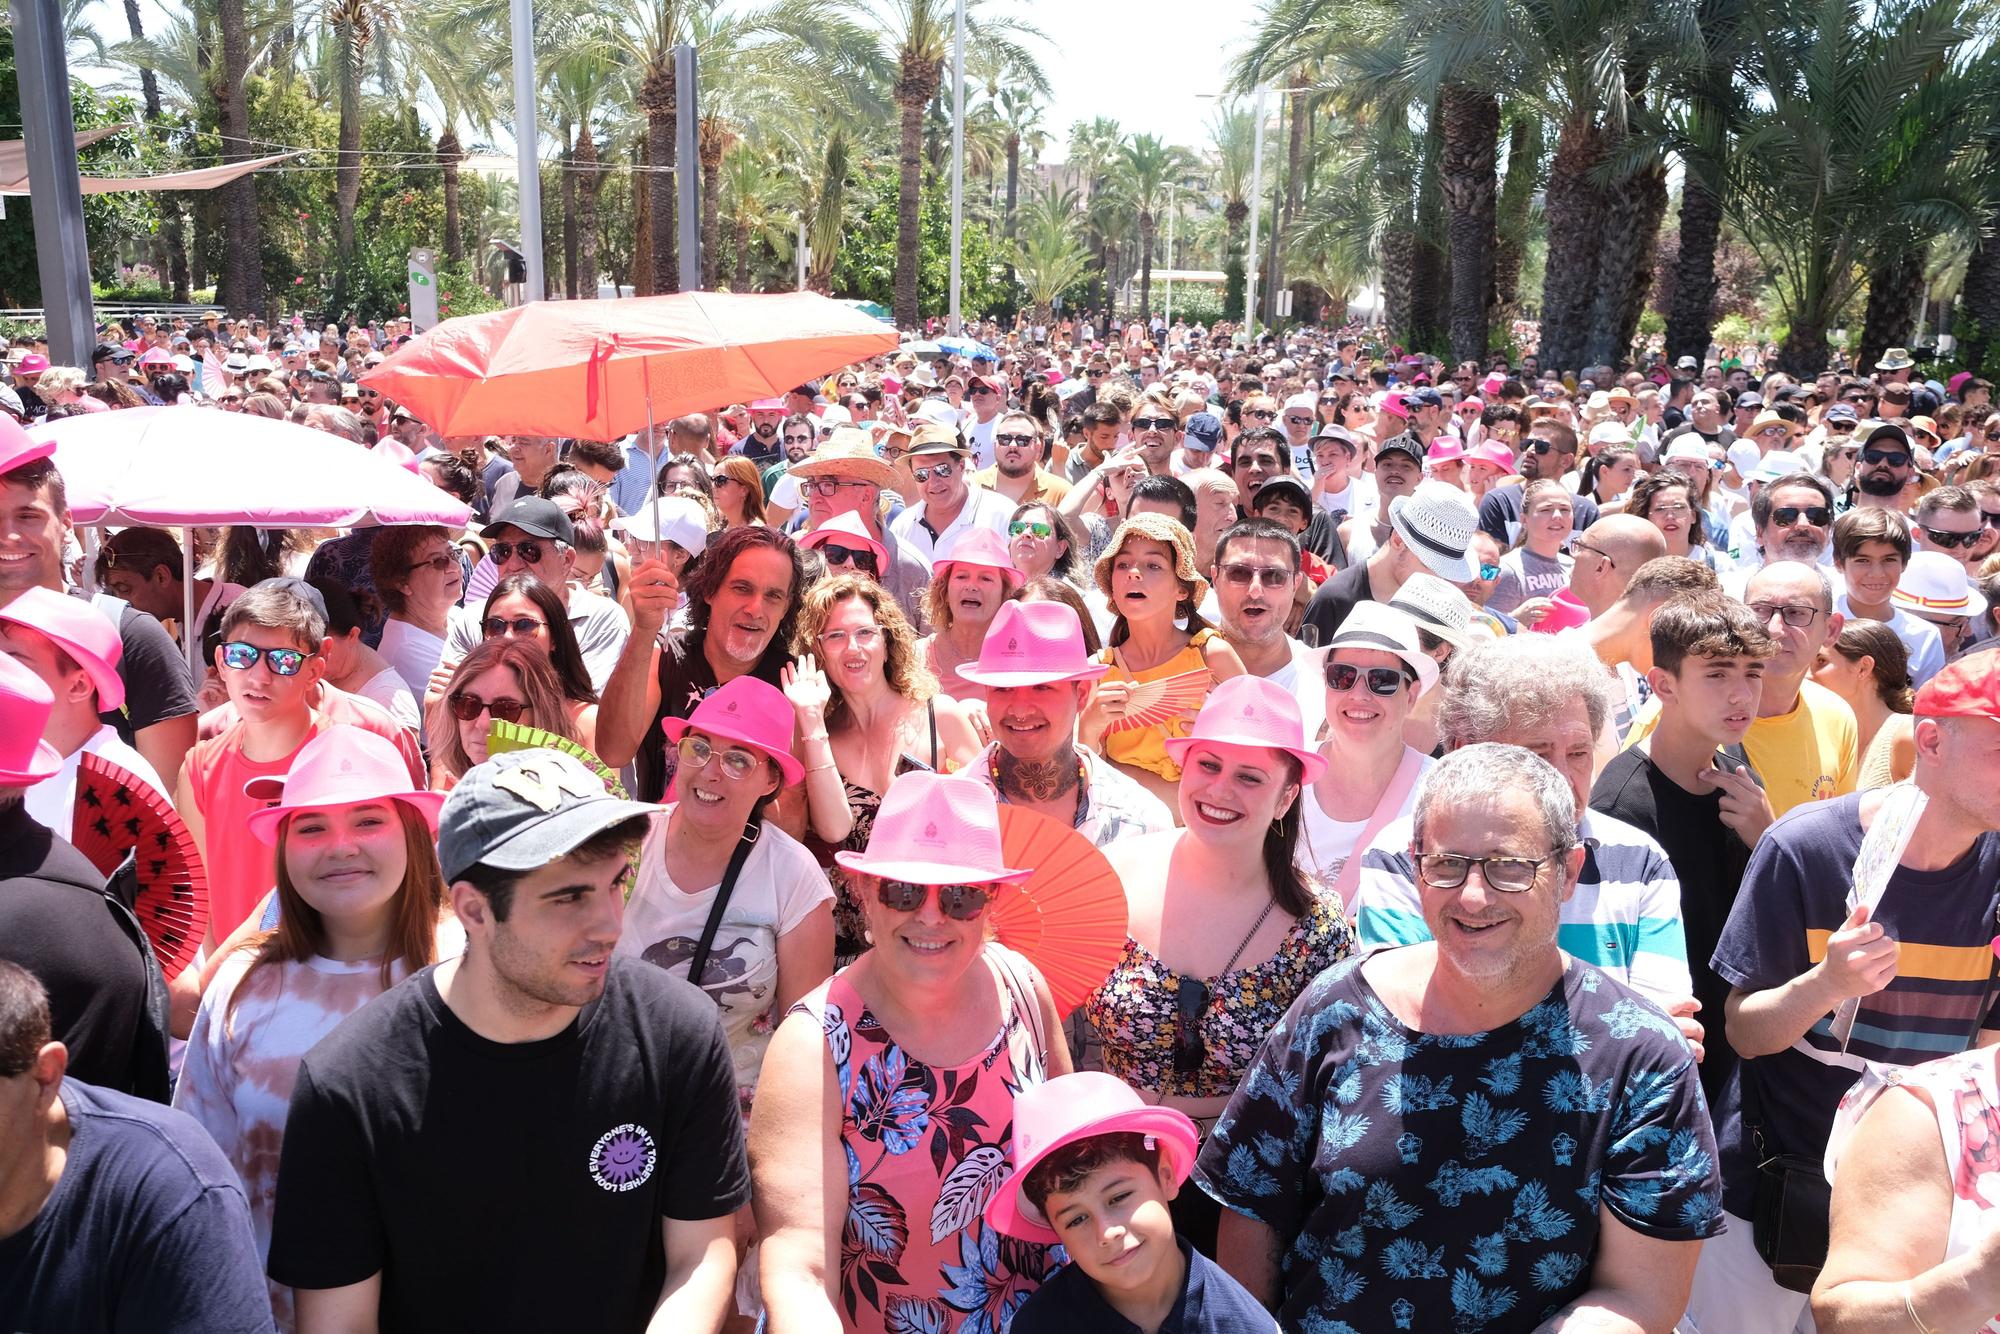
1069 917
1155 703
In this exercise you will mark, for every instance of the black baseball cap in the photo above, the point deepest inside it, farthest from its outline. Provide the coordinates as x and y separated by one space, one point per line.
537 518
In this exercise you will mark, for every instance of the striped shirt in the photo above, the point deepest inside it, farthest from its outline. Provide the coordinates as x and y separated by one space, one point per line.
1624 918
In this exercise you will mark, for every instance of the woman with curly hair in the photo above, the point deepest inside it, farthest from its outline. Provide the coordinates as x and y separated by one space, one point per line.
506 679
868 709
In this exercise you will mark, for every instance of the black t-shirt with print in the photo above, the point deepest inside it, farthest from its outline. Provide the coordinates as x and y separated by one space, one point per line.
509 1186
157 686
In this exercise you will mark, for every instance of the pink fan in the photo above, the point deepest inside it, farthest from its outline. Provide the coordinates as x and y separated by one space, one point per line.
1154 703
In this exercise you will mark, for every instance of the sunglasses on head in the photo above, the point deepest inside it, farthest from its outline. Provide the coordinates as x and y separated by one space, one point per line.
859 557
240 656
1947 541
466 706
1894 458
520 625
1384 681
528 548
1819 516
961 903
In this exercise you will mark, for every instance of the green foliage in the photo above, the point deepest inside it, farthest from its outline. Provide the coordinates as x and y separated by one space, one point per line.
1200 305
867 264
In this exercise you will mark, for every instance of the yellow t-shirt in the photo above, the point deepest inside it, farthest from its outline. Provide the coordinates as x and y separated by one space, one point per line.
1809 754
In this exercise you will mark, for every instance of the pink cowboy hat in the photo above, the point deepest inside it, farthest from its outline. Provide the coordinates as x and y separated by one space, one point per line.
986 549
847 530
1445 449
81 631
35 363
1058 1113
753 712
1251 711
157 356
1033 643
25 705
342 766
17 447
1493 454
935 829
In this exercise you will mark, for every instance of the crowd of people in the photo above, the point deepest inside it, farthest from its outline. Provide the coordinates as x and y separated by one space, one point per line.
1556 814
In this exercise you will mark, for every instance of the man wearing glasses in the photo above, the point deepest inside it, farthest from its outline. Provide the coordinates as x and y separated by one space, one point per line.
1883 472
988 393
948 505
1297 420
533 536
1494 1044
1791 517
1549 451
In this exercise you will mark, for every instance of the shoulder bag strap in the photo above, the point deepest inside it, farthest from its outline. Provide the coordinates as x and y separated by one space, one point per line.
699 962
1388 808
1027 1004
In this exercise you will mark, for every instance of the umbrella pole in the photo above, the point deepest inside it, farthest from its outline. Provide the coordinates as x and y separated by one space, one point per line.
190 634
652 486
92 540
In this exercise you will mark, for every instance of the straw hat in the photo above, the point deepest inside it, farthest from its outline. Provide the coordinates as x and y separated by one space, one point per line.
850 453
1167 533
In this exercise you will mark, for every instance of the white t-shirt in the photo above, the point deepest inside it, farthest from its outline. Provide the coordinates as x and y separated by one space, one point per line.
51 803
1325 843
412 650
785 492
980 434
388 689
779 886
1920 638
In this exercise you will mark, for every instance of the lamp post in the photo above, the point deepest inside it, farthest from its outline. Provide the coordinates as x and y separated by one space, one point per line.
957 162
527 154
1256 210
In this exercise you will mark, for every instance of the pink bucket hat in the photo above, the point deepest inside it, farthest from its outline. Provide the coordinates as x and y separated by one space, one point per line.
81 631
1033 643
17 447
986 549
25 705
935 829
1251 711
1492 453
342 766
1061 1111
751 711
847 530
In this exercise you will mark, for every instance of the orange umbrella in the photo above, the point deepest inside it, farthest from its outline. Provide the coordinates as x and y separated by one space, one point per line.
1069 917
599 370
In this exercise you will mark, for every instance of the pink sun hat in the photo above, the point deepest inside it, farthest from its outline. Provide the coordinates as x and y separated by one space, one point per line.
747 710
25 705
17 447
342 766
935 829
32 364
157 356
1059 1112
81 631
987 550
1251 711
1445 449
1493 453
847 530
1031 644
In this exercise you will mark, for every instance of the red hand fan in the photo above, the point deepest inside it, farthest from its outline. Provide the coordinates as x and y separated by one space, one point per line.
1069 917
1154 703
118 812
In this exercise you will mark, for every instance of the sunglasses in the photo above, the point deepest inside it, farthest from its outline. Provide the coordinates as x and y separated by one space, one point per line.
1947 541
961 903
737 764
1168 423
438 564
241 657
1991 518
1260 414
1190 1047
1268 576
1540 446
1329 400
938 470
1895 459
1013 440
520 625
466 706
529 549
1488 573
1031 528
1819 516
1291 420
798 439
859 557
1509 875
1384 681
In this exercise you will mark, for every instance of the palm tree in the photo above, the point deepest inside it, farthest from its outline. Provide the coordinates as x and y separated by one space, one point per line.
1147 172
241 287
1708 115
352 25
1233 131
454 59
1049 256
1021 113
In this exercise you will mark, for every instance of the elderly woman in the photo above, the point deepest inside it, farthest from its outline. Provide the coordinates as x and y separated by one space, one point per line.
1225 929
868 710
965 594
886 1107
419 579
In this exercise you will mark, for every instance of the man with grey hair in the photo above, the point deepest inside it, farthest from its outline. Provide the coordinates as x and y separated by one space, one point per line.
1482 1075
1548 694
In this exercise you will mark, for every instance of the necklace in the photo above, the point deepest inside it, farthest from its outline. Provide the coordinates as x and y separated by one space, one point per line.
1248 936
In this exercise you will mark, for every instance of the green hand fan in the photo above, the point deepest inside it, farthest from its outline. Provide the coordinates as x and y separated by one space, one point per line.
505 736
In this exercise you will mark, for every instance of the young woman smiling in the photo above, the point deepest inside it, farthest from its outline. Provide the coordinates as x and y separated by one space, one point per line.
1537 567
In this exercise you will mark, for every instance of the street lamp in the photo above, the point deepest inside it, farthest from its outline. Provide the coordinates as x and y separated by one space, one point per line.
1256 211
957 161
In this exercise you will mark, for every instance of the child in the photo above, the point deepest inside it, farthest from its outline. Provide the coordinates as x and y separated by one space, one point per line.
1871 549
1095 1168
1537 567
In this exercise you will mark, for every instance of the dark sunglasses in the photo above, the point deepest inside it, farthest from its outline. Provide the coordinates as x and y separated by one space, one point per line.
1819 516
1190 1047
239 656
859 557
1947 541
438 563
1991 518
1540 446
1154 424
1270 576
530 550
520 625
466 706
1260 414
1012 440
1894 458
961 903
941 470
1384 681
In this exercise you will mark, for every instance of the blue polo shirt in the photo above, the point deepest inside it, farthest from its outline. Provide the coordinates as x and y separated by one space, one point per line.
1210 1300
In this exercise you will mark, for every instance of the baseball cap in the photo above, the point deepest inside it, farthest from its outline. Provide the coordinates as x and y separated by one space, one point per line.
110 352
1749 399
537 518
681 521
1841 412
1422 397
1967 688
1203 431
523 809
1401 444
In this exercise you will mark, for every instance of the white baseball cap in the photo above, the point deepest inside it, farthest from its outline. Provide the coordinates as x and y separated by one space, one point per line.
681 522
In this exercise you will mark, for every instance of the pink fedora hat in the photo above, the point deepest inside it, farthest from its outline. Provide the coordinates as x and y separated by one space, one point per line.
753 712
342 766
35 363
81 631
935 829
1251 711
1032 643
986 549
1492 453
17 447
1058 1113
25 705
1445 449
848 531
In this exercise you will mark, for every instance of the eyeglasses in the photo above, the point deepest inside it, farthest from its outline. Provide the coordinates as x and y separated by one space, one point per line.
520 625
1799 618
695 753
1268 576
799 439
859 557
1947 541
833 486
1031 528
866 637
370 393
1384 681
466 707
1509 875
1669 512
1895 459
241 657
1578 544
529 549
1190 1048
1013 440
980 390
939 470
961 903
1776 432
1169 424
1819 516
437 564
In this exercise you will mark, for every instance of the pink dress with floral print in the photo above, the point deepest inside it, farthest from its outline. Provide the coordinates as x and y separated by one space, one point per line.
926 1148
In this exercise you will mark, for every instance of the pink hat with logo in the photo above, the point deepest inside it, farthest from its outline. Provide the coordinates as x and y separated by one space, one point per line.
32 364
25 705
157 356
847 530
984 548
81 631
935 829
1030 644
1059 1112
1493 453
342 766
1251 711
1445 449
747 710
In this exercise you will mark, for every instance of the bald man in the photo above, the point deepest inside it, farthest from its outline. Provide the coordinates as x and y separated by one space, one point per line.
1608 554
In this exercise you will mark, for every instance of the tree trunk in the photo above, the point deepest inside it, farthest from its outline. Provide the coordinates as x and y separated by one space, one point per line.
589 181
242 287
1430 274
1399 262
347 175
1013 198
712 142
1631 230
1895 282
642 227
1691 322
1638 273
1979 301
1804 352
1574 209
916 84
1147 226
450 154
1471 190
740 233
205 207
569 223
656 99
1234 215
1517 198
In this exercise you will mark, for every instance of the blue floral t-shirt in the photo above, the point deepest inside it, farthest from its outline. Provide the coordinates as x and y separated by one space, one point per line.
1432 1182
